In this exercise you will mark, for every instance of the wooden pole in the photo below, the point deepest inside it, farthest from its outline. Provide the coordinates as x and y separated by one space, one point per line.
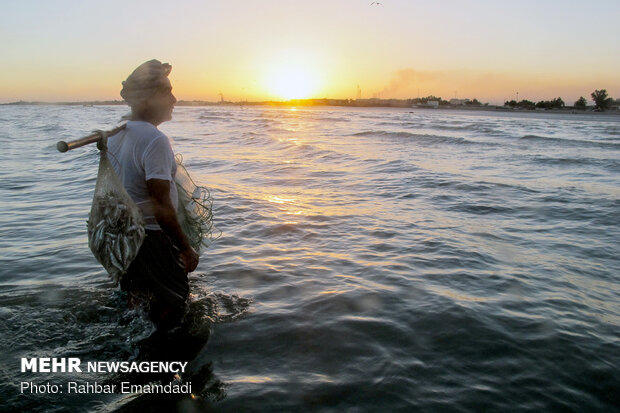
63 146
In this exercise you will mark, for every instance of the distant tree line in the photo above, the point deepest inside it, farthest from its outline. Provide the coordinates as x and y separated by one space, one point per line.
425 100
600 98
556 103
442 102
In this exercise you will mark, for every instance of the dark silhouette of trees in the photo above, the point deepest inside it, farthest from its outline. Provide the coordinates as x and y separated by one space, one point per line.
527 104
581 103
425 100
601 100
556 103
524 104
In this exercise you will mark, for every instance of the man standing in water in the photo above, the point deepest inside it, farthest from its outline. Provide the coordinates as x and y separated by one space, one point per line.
142 157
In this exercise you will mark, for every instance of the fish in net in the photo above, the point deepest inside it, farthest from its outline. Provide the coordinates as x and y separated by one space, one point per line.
115 223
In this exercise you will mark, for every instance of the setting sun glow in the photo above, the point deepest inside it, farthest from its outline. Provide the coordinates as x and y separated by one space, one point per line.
292 79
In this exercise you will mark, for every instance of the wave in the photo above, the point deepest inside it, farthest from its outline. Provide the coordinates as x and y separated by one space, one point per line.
480 209
214 118
330 119
570 142
610 164
419 137
453 127
612 130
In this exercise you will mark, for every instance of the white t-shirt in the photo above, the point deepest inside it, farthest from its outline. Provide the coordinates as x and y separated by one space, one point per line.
138 153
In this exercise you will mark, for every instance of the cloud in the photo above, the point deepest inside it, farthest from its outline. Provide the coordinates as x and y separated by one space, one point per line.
406 80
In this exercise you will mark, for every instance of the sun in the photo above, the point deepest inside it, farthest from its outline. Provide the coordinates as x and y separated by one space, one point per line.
293 79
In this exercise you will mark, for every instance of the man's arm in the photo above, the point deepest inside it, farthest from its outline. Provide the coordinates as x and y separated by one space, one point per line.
159 193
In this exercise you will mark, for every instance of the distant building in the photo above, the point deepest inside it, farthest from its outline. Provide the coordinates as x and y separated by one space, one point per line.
433 103
459 102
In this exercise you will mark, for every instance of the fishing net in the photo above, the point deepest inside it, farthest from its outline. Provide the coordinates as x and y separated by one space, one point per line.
115 223
195 211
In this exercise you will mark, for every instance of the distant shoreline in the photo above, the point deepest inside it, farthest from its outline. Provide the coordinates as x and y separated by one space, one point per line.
358 103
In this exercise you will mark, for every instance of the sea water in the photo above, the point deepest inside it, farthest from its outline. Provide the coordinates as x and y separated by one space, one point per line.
370 260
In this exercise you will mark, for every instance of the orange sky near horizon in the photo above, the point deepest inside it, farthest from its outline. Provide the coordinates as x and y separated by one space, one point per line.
276 50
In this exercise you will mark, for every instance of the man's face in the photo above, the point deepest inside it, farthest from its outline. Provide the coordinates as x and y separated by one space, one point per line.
162 102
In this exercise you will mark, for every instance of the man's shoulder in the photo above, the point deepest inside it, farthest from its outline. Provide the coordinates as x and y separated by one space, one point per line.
143 131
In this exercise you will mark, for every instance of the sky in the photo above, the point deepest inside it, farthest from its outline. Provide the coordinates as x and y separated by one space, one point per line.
65 50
